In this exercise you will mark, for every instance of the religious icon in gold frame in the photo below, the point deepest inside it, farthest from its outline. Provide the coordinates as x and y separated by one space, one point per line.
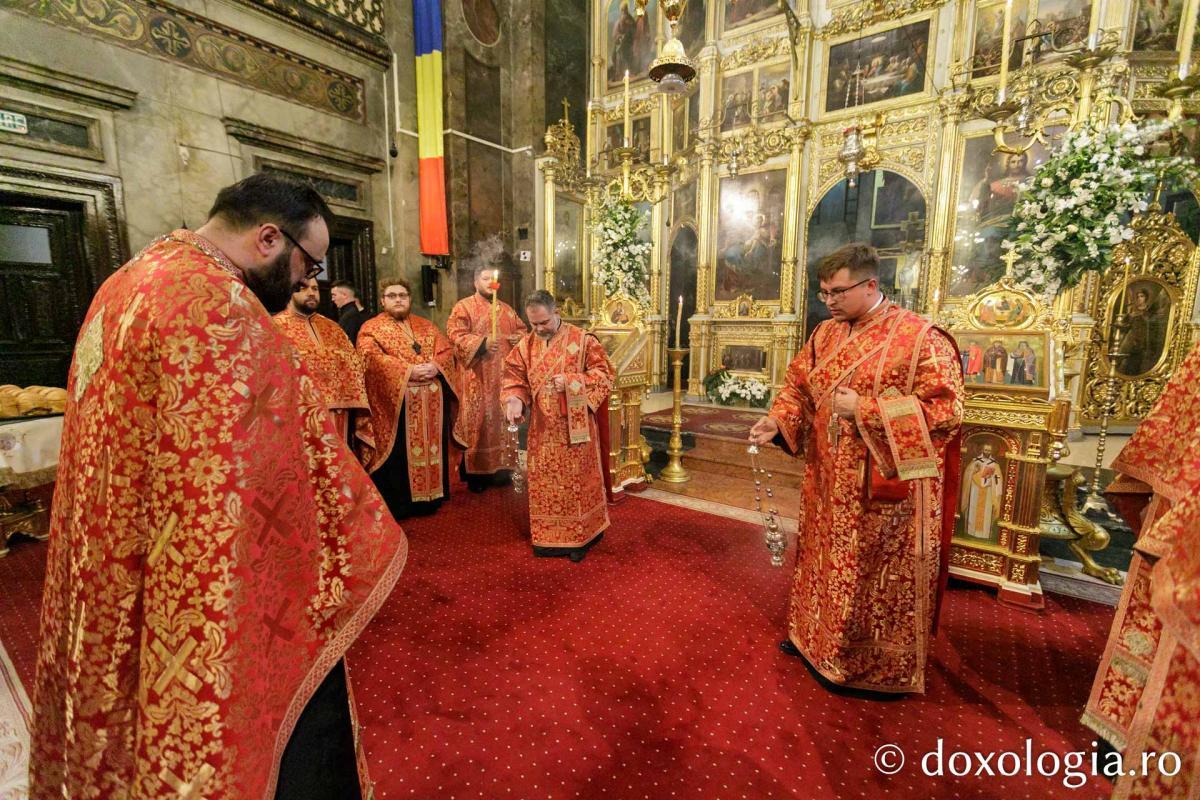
878 67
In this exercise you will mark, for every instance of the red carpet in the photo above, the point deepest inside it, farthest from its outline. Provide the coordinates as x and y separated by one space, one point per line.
720 421
21 574
651 670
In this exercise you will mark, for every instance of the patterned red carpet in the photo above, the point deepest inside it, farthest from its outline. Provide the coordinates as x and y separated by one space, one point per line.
651 670
21 574
728 423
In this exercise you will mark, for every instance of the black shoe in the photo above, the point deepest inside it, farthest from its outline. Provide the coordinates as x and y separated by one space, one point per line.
836 688
477 487
552 552
578 554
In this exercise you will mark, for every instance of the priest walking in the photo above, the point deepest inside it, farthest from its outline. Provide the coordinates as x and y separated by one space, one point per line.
412 388
333 363
874 401
481 358
560 377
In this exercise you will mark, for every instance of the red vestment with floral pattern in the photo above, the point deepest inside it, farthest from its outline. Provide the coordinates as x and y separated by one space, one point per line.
335 366
872 499
1146 695
214 548
481 420
568 506
391 351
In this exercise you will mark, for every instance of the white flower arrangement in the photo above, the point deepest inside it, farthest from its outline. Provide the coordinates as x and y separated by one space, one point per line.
620 256
723 386
1077 205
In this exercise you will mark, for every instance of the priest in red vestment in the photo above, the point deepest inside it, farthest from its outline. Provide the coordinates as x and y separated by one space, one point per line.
560 376
412 387
481 360
335 366
1146 694
873 401
214 550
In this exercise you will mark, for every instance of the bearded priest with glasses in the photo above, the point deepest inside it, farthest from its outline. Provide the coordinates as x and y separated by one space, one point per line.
412 388
873 401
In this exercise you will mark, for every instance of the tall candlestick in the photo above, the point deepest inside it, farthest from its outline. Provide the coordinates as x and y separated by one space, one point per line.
1005 47
628 127
679 323
1124 287
495 308
1187 35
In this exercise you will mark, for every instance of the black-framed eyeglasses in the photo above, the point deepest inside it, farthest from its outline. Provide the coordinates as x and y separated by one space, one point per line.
315 267
837 294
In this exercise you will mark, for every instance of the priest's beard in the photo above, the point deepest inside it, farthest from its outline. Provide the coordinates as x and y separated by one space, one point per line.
274 286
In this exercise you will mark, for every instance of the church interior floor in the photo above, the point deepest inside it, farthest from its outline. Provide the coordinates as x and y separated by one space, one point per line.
651 669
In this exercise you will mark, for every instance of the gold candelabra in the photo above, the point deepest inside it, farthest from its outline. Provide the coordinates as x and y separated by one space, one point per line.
675 472
1034 98
1095 501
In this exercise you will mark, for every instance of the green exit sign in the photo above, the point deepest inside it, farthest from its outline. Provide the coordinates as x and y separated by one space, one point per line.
13 122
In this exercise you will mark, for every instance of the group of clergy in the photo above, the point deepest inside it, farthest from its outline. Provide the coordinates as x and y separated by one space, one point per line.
215 546
414 402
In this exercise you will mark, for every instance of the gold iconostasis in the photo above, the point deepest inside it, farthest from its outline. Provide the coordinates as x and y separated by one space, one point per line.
746 183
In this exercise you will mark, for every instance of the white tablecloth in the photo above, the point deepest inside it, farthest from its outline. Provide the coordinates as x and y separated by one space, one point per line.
29 452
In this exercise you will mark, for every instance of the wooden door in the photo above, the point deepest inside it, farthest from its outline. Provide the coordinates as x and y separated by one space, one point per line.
45 287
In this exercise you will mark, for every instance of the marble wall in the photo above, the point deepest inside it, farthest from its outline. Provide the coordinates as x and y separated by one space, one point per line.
566 44
179 132
183 129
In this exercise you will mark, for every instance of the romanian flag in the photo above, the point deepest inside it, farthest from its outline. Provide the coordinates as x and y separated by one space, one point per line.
427 24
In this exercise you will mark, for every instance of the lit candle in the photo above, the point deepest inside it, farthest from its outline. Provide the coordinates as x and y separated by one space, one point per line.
1187 37
1006 46
627 128
495 308
679 324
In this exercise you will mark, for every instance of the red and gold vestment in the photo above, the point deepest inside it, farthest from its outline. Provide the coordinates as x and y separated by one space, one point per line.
873 497
391 350
214 549
568 506
1146 695
481 419
335 366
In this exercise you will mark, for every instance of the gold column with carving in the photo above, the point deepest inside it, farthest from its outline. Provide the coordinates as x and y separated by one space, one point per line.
936 276
792 213
548 233
705 256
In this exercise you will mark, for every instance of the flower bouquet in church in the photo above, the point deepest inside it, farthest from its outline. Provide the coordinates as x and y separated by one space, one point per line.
1079 202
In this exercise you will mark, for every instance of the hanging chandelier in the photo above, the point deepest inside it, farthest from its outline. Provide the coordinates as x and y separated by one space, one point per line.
672 70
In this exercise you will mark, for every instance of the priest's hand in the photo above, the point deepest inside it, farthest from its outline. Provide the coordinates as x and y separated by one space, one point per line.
845 402
560 383
514 338
764 431
493 345
423 373
514 410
